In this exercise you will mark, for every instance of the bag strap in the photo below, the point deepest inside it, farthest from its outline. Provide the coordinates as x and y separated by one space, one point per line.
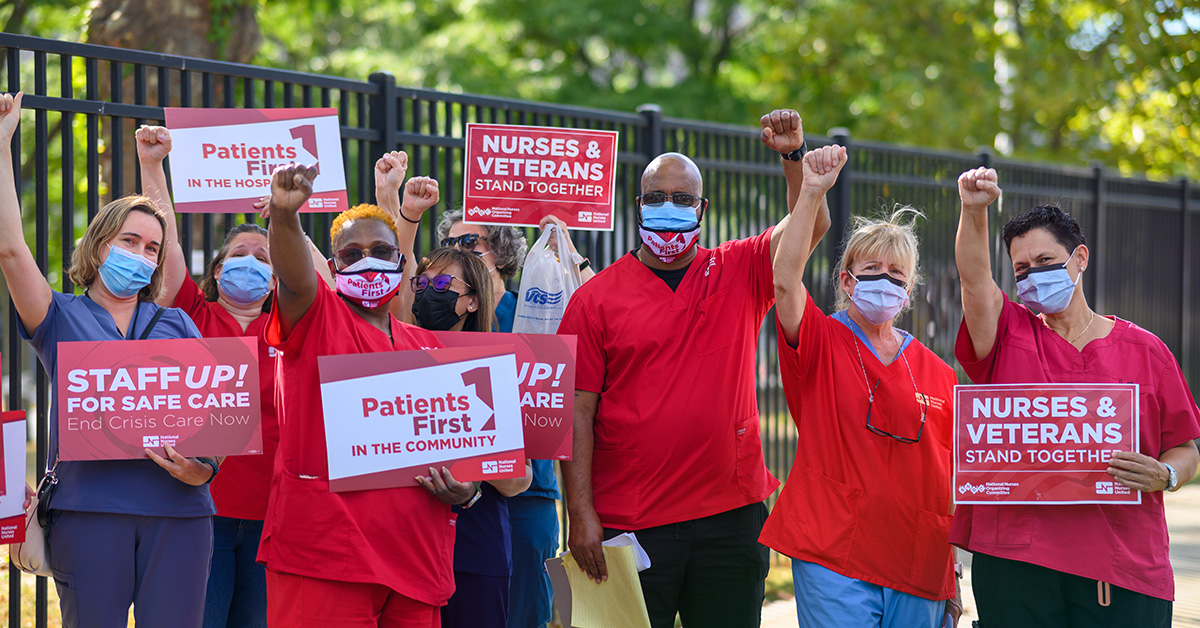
152 323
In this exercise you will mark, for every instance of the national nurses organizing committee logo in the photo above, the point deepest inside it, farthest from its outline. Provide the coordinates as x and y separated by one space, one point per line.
971 488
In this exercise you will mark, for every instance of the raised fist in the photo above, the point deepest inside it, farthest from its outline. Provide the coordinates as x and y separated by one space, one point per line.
821 167
153 143
10 115
420 193
290 187
782 130
390 171
978 188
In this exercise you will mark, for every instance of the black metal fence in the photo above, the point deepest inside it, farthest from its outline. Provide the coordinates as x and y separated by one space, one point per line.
83 103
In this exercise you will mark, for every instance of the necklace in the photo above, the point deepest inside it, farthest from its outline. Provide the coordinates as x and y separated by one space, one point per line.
1091 320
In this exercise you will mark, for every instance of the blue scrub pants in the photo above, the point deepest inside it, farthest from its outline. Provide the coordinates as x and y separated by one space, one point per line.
478 602
826 598
534 523
104 562
237 584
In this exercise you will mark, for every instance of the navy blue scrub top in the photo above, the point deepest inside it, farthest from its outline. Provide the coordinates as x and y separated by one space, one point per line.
132 487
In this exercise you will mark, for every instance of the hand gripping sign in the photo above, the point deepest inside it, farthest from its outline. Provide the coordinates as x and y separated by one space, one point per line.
390 416
546 375
222 159
1043 443
516 175
119 397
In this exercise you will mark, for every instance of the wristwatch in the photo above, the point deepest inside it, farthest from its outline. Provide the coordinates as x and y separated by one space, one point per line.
797 154
1172 477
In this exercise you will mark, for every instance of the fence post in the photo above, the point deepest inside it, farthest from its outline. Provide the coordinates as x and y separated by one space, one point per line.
1099 275
383 112
839 210
652 139
1185 275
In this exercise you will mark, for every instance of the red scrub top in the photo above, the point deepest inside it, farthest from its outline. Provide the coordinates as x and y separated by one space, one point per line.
240 490
676 430
401 538
866 506
1125 545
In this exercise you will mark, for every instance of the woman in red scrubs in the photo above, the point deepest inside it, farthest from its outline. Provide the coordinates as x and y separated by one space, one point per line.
1071 565
378 557
865 513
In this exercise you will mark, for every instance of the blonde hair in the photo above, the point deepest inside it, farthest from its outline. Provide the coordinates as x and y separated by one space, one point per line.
85 259
872 237
362 210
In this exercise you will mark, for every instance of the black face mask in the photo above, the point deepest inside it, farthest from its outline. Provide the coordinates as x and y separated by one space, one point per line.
435 310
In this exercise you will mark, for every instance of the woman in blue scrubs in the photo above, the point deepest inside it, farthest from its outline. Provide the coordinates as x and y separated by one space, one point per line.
120 532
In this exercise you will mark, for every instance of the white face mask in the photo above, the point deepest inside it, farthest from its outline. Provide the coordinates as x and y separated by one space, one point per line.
370 281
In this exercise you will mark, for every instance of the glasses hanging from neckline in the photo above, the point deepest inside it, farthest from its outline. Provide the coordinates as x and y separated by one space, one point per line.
921 401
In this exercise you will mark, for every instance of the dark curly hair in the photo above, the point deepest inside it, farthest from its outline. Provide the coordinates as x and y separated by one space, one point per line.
1052 218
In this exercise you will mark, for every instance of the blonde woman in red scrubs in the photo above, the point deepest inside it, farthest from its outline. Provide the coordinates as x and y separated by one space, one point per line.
865 513
1078 565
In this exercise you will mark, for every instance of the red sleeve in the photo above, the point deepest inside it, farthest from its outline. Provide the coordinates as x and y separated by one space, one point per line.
754 255
1179 420
317 316
814 331
590 359
190 297
980 369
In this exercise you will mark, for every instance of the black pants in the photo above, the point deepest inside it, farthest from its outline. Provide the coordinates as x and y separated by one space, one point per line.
1011 593
709 570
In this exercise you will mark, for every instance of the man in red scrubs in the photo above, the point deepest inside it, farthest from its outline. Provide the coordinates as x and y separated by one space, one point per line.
666 417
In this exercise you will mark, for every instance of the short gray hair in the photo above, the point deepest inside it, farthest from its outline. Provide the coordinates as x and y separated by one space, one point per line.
508 245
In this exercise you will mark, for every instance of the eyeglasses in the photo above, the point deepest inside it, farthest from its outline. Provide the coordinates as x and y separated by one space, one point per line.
679 198
922 401
353 254
439 283
465 241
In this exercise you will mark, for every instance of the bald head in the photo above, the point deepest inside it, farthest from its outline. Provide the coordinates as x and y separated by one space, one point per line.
672 172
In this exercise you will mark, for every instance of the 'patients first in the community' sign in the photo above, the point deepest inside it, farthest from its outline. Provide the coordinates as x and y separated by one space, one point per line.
222 159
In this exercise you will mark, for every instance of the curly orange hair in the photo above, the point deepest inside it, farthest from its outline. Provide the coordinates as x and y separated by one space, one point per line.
363 210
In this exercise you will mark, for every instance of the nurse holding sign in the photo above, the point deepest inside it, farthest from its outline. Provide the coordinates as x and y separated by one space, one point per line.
1081 564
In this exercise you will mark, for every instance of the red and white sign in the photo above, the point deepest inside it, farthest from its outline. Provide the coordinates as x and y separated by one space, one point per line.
120 397
12 504
222 159
516 175
546 375
390 416
1043 443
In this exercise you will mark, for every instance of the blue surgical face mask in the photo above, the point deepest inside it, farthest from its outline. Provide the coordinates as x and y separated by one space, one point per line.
244 279
669 217
879 298
1047 289
125 273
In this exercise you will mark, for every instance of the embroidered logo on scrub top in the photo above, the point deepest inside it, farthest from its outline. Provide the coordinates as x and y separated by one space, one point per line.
711 262
934 403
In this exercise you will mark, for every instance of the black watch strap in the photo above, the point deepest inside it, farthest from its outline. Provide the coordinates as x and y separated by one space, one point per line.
212 464
797 154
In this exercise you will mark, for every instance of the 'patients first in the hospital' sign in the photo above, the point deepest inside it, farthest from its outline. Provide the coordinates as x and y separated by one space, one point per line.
222 159
1043 443
516 175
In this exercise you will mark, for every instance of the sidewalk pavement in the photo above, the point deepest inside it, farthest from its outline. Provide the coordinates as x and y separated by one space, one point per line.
1183 521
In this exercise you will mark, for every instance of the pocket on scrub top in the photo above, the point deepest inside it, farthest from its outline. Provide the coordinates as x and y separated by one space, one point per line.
718 326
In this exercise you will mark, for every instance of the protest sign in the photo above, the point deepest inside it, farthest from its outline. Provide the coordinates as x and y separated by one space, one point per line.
516 175
222 159
390 416
12 503
546 375
119 397
1043 443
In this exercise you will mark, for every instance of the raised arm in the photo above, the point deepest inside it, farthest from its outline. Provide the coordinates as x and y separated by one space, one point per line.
153 145
290 188
821 168
26 284
783 131
420 193
586 532
982 299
